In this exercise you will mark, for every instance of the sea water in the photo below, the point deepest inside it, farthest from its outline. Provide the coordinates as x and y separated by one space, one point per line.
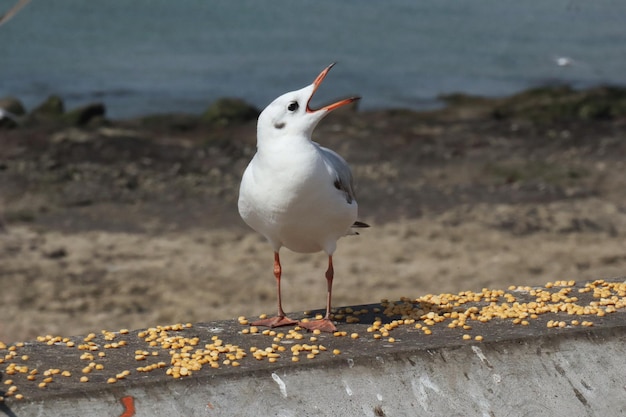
153 56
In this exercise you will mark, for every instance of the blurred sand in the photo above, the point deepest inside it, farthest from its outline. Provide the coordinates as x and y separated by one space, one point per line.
73 283
125 227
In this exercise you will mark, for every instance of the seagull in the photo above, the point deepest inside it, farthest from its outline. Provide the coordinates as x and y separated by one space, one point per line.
297 193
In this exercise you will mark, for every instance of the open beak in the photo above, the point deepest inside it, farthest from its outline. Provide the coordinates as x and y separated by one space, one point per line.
333 106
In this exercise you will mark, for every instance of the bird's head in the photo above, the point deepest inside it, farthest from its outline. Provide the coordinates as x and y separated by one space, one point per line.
291 113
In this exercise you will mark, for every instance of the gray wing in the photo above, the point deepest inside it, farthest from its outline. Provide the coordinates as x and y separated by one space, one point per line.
341 171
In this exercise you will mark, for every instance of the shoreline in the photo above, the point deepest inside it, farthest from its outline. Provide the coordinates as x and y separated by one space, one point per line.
422 104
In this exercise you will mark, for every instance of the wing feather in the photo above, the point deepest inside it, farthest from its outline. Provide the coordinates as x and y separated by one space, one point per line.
340 170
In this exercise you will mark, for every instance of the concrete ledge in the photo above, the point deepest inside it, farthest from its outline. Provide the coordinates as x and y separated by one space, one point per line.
515 370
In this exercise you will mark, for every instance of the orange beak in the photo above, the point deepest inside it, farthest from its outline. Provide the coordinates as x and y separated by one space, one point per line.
333 106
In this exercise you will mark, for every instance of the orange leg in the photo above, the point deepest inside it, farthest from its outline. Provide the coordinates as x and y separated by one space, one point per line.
325 324
280 319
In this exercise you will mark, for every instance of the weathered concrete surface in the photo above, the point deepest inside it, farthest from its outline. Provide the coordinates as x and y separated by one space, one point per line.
515 371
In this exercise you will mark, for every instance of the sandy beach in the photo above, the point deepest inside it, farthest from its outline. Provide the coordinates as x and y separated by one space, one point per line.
129 224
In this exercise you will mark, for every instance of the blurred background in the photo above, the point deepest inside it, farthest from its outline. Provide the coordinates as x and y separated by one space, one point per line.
154 56
488 150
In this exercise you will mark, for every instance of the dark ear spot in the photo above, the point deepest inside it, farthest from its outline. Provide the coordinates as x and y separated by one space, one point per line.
279 125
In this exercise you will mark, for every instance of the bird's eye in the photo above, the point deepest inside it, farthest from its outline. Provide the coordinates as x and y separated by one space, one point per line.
293 106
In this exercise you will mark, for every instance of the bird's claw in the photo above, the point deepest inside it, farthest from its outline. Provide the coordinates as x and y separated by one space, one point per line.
324 325
277 321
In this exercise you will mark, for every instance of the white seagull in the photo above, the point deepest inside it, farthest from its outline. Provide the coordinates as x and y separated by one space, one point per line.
297 193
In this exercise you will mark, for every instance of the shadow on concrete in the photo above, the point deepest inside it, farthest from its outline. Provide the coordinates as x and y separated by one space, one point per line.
371 316
4 409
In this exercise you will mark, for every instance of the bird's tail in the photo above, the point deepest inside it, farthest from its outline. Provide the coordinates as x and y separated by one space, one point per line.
357 225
